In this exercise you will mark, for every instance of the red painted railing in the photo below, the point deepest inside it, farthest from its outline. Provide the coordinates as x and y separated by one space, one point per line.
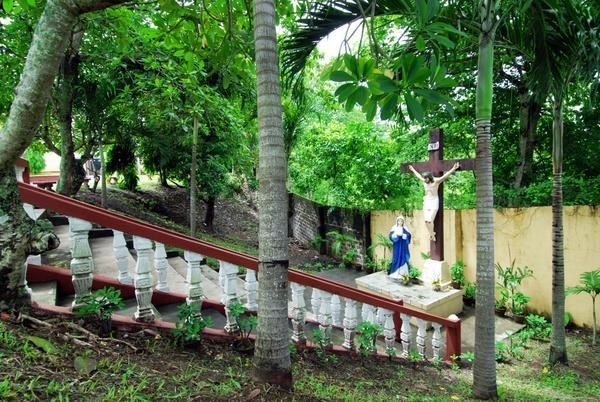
74 208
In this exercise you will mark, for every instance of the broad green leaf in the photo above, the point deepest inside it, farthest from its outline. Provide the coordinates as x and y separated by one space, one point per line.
351 64
415 110
383 84
432 96
340 76
421 11
443 27
445 82
7 5
344 91
444 41
369 68
43 344
420 43
362 94
351 101
85 365
370 108
433 7
389 106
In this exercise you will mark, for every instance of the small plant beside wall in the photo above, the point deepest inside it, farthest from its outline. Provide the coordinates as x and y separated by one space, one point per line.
246 323
590 284
367 337
457 272
510 278
100 307
189 325
469 296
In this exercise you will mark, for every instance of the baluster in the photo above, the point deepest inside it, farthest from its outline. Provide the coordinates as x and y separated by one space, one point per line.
222 285
24 288
336 311
315 302
405 335
82 265
325 317
121 255
193 279
350 324
230 294
161 264
389 330
421 334
251 286
143 279
380 316
298 308
436 340
367 313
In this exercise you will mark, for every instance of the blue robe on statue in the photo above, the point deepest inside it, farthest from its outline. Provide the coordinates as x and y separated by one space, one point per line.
400 253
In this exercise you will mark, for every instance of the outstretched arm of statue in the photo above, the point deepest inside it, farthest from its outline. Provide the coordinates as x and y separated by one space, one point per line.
448 173
412 169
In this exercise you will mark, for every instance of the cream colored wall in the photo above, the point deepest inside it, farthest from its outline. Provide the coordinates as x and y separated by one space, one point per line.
520 234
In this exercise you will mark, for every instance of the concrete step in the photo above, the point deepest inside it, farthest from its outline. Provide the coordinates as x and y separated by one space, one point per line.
169 313
210 288
44 292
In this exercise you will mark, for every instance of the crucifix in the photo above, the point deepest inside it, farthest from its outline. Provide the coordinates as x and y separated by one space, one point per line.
437 165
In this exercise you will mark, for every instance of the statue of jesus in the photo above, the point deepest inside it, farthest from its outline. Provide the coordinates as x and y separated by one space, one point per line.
431 202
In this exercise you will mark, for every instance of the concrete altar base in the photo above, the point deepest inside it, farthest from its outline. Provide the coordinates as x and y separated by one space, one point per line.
423 297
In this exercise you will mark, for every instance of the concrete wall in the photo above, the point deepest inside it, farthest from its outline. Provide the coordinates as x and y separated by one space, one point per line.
521 234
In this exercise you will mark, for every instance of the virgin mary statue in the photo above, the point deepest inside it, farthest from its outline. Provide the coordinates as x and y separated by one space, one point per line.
400 238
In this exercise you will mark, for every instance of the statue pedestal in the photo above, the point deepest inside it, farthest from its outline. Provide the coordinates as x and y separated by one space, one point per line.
422 297
433 270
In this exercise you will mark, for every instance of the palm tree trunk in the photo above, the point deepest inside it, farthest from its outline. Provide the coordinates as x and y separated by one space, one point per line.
193 190
594 320
102 175
272 356
558 346
484 366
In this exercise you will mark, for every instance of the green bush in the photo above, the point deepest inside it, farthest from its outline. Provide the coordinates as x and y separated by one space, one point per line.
101 304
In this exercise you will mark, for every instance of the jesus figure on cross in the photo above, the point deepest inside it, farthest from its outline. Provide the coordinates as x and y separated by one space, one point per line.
431 201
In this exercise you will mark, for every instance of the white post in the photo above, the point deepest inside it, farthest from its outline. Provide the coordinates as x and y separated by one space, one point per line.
298 308
421 334
251 285
82 265
122 257
325 316
405 334
194 280
389 330
436 340
336 311
143 279
315 302
230 290
161 264
380 316
222 280
349 324
367 313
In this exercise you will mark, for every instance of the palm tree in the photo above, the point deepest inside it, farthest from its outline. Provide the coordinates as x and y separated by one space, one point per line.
591 285
484 365
565 50
272 355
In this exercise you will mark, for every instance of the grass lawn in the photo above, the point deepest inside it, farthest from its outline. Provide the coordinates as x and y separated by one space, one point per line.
158 370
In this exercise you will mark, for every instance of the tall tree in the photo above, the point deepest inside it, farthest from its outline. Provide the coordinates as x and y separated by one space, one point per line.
484 365
272 355
20 236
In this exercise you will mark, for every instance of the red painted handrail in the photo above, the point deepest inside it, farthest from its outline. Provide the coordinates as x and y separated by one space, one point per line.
81 210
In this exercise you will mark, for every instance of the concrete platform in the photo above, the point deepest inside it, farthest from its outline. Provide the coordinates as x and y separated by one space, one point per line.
444 303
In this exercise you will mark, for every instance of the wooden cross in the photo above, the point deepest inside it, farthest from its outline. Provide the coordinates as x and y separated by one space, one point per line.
437 165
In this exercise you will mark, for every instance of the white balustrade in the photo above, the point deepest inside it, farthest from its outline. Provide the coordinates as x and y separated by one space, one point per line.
230 294
162 266
421 334
82 265
251 286
143 279
315 302
405 334
436 340
298 309
122 257
195 294
350 323
389 330
365 312
380 317
336 311
222 285
325 316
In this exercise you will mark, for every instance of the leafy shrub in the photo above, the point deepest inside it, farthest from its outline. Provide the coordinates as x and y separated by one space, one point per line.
102 304
322 344
540 327
246 323
457 272
190 323
367 337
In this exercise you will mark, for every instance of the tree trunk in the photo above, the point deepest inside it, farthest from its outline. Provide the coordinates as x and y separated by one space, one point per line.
71 170
272 355
530 115
484 366
193 190
102 175
558 346
210 214
19 237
